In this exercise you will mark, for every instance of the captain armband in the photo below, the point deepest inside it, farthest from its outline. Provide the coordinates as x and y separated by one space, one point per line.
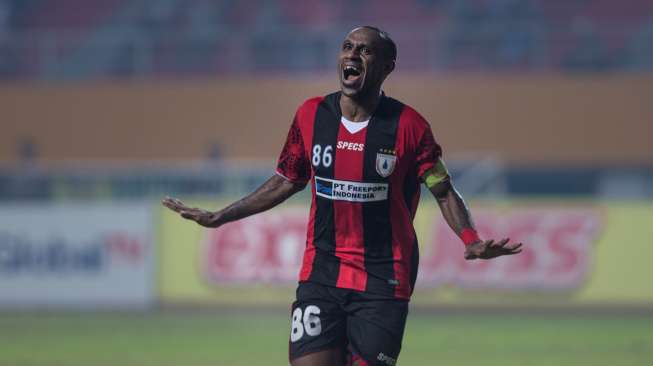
436 175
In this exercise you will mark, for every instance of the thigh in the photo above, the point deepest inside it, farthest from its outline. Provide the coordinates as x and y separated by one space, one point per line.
318 326
375 330
329 357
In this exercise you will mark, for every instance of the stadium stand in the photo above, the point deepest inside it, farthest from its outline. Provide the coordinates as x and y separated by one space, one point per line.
48 40
120 38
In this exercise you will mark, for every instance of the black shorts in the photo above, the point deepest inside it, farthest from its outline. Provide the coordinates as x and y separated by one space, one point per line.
369 326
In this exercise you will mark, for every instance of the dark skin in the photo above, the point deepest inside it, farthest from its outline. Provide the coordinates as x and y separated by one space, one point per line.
271 193
457 215
362 49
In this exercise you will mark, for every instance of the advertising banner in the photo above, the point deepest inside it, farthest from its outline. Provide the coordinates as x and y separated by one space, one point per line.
569 250
557 255
76 255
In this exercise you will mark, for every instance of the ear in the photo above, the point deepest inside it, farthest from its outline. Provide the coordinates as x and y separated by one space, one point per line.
390 66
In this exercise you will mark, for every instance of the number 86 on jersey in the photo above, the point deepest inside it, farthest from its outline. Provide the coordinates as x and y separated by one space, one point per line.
307 323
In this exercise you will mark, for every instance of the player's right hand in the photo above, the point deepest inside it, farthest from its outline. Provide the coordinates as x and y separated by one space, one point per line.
200 216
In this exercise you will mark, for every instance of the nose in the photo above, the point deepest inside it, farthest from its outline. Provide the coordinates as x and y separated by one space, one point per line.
352 54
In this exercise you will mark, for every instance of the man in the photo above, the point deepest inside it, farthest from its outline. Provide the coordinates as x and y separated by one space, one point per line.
365 155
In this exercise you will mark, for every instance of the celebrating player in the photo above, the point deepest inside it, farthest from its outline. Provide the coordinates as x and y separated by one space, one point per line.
365 155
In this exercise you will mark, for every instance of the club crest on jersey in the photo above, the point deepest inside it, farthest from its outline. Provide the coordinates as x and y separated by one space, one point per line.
386 160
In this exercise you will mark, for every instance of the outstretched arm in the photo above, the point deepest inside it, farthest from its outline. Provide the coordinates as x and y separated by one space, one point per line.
271 193
457 215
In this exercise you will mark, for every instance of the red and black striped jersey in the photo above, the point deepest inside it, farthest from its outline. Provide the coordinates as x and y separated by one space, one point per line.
365 190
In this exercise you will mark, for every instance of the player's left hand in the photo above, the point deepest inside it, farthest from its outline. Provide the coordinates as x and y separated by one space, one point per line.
203 217
489 249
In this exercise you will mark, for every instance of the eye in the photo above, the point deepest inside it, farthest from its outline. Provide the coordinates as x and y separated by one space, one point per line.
346 46
366 50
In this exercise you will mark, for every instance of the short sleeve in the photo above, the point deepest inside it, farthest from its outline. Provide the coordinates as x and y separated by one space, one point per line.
294 164
428 152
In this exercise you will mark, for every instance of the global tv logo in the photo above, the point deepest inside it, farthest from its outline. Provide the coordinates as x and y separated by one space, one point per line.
21 254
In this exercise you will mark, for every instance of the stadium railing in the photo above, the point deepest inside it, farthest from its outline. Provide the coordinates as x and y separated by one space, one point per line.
489 177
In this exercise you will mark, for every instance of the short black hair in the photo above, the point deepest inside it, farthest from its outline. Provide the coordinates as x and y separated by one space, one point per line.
388 44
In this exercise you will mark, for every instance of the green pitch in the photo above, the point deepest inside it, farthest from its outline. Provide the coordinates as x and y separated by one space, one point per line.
255 338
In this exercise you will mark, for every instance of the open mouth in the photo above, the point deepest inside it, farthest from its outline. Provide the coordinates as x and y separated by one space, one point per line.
351 73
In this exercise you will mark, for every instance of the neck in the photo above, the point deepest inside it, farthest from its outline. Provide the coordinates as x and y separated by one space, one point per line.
360 108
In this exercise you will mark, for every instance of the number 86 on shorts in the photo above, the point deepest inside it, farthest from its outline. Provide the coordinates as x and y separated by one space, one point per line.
306 322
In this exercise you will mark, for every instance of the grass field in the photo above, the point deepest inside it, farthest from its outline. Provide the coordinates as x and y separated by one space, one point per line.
260 338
